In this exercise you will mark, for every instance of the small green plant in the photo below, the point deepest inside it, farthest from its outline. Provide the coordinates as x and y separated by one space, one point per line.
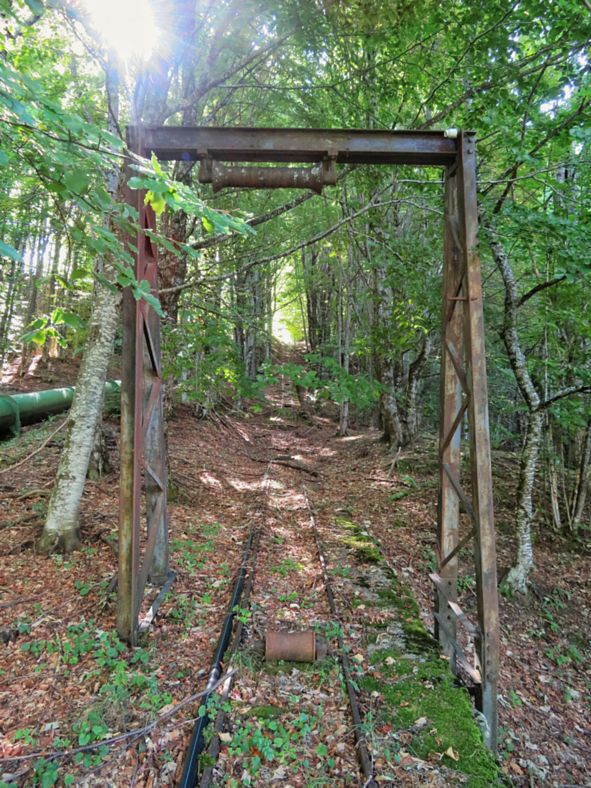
45 772
287 566
90 729
514 699
184 611
341 571
466 583
82 587
241 613
22 625
291 597
507 591
267 739
191 554
430 559
25 735
398 495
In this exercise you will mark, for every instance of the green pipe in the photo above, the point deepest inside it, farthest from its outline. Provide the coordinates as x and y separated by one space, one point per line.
19 409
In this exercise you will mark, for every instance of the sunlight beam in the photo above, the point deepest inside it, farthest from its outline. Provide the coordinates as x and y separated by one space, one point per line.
127 26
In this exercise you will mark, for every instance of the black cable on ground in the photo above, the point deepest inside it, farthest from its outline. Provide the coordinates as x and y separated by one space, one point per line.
189 776
221 719
365 760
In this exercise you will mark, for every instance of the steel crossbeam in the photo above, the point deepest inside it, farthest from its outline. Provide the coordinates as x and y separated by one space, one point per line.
143 551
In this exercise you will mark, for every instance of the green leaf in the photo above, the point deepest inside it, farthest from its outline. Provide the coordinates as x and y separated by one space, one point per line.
77 181
157 202
36 6
3 158
208 226
140 292
78 274
9 251
72 321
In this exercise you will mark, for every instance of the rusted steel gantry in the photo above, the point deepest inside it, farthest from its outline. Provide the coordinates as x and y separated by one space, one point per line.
143 551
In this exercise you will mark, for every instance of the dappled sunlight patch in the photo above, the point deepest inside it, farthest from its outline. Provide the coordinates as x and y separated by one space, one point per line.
241 486
350 438
326 452
210 481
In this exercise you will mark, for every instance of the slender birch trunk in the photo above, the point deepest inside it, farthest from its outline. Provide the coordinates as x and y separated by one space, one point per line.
583 480
519 574
61 531
524 561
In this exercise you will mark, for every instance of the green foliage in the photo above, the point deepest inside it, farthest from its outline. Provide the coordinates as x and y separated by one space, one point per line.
272 740
334 384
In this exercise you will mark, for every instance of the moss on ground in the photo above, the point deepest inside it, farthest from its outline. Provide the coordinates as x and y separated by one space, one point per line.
416 683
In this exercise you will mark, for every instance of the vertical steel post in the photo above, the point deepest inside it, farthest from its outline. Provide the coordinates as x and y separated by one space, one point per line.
450 425
143 553
128 520
125 577
480 461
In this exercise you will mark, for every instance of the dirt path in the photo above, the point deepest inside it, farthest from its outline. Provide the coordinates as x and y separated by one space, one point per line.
67 683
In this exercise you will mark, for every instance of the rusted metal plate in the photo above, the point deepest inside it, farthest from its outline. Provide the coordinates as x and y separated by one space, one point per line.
347 146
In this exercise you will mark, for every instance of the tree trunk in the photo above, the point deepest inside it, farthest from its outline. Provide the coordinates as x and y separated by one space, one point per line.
583 480
552 468
524 563
61 532
345 334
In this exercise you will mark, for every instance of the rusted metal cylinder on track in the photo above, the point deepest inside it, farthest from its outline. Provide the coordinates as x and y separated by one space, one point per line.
314 178
291 646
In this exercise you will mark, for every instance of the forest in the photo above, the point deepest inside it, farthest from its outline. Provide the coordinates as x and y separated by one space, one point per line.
293 434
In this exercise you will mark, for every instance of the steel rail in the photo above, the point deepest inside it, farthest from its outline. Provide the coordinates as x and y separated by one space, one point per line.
363 754
220 721
242 586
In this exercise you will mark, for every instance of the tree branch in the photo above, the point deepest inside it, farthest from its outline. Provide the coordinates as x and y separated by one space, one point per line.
538 289
567 392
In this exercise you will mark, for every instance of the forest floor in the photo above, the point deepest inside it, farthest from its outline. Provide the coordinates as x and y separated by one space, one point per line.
67 683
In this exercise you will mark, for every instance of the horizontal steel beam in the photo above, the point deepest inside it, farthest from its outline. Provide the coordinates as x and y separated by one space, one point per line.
346 146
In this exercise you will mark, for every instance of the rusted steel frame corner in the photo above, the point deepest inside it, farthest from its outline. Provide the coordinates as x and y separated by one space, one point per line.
480 453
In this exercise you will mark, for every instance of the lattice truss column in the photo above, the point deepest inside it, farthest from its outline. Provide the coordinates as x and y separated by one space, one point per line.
143 530
464 391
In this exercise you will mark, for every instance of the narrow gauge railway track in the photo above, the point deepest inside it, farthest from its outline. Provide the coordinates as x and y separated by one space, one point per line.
277 723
